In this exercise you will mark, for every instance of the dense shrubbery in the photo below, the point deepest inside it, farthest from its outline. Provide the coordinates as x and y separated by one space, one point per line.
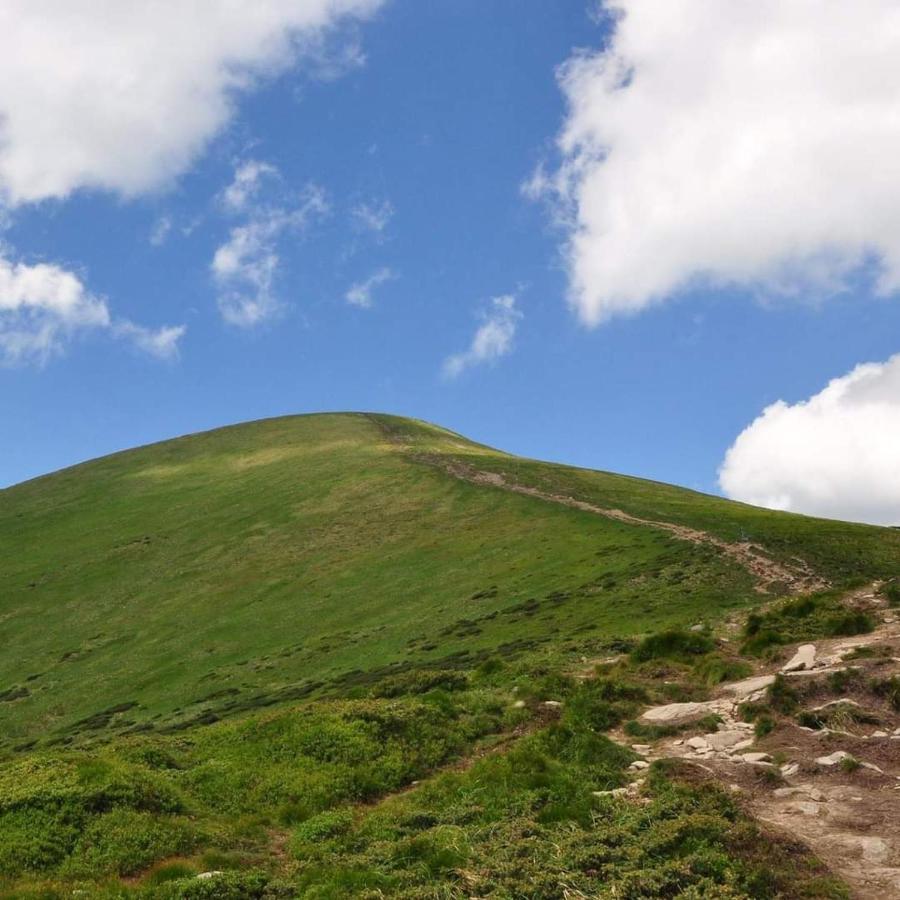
804 619
84 815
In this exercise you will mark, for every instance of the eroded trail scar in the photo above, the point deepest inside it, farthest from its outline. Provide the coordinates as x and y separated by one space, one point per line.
768 572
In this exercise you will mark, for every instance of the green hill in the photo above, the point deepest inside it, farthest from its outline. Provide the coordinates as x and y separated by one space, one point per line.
312 562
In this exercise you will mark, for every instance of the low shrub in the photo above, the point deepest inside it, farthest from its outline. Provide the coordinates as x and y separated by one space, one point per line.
889 688
716 669
848 623
676 644
781 696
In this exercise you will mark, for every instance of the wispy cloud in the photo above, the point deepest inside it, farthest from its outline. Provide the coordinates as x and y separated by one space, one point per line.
160 231
373 216
245 186
361 293
492 340
245 267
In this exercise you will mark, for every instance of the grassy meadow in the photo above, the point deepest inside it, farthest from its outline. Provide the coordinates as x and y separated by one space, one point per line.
236 651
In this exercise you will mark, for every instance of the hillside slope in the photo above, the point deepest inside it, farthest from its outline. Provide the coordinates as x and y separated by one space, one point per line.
221 572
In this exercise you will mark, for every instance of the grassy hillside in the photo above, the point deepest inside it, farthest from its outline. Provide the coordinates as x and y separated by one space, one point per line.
361 600
261 563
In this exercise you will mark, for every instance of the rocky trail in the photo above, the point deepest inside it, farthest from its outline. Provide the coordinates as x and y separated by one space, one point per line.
835 787
796 576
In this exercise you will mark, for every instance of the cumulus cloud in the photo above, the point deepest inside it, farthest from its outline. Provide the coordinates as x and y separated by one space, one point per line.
43 306
492 340
835 455
374 216
751 143
245 267
360 294
124 96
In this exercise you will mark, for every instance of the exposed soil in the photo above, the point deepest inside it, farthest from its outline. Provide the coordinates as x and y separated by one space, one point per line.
847 813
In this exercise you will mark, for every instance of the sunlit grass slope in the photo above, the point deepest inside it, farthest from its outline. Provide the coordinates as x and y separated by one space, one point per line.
218 573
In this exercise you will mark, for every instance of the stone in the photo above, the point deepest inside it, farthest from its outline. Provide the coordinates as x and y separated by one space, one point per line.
804 658
756 757
725 740
638 765
833 759
205 875
676 713
615 792
742 745
844 701
879 734
790 769
749 685
640 748
519 704
781 793
698 743
552 704
805 807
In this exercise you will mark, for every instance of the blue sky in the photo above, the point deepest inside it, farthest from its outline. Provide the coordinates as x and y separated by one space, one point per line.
430 118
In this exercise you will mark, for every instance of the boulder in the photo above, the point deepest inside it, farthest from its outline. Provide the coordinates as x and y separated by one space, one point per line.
676 714
756 757
725 740
833 759
804 658
749 685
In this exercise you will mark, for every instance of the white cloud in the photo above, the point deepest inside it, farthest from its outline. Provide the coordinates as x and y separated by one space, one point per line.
835 455
752 143
43 306
246 184
493 339
159 234
124 96
374 216
360 294
161 342
246 266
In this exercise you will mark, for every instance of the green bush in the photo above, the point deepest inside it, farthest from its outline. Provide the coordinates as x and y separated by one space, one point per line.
891 593
889 688
781 696
323 826
716 669
222 886
764 725
848 623
675 644
124 841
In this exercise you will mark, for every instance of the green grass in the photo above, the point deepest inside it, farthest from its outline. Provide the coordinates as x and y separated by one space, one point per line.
221 651
254 565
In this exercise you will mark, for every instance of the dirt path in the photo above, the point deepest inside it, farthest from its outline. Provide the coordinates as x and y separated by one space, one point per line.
769 573
794 780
